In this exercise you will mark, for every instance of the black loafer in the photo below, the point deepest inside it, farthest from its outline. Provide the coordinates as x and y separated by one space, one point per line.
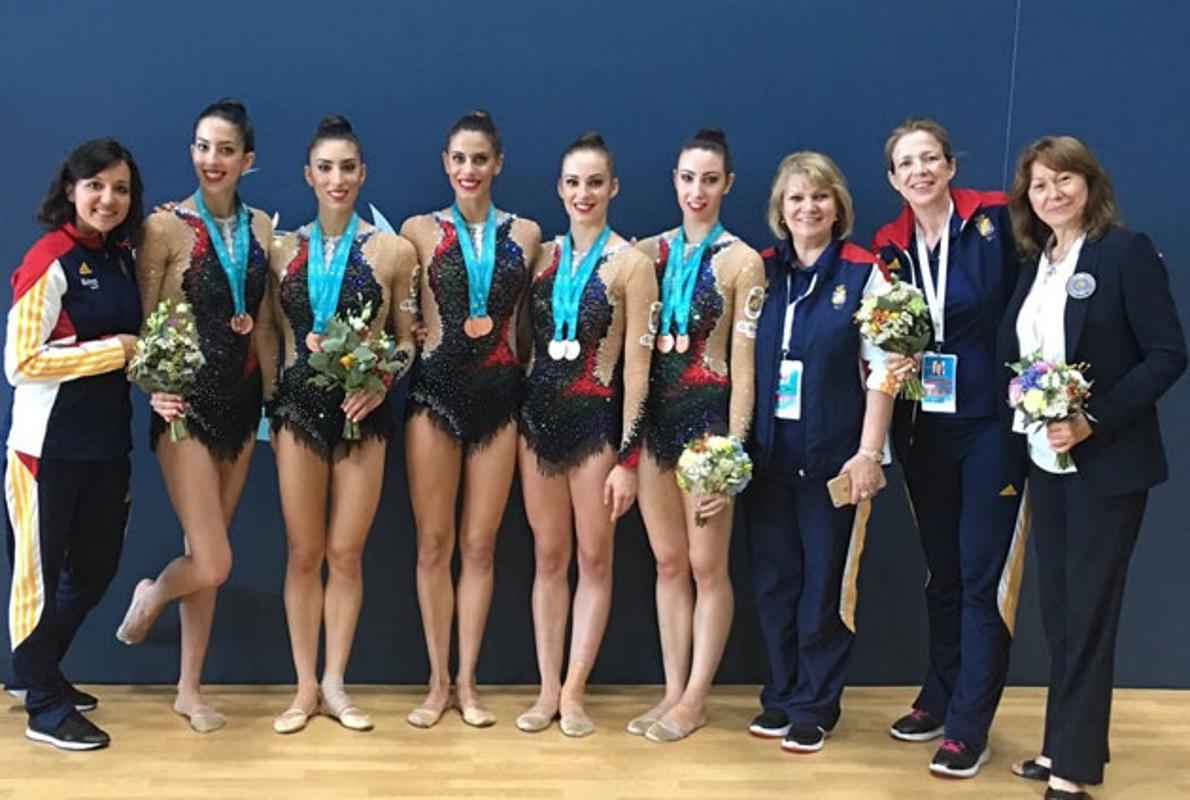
1031 771
1061 794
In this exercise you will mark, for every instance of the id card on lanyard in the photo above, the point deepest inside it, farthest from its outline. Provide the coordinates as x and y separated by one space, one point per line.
939 371
789 385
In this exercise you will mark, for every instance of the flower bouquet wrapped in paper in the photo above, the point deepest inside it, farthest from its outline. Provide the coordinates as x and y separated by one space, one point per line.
168 357
895 318
1046 390
712 465
352 358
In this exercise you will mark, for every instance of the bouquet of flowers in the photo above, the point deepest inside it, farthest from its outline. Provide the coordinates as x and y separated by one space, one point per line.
168 357
352 358
1045 390
895 318
713 464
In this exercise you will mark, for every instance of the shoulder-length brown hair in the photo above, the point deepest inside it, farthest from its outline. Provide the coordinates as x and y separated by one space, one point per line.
1061 154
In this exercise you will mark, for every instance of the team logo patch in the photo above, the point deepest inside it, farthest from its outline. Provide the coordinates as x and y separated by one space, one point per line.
839 296
654 317
85 269
754 303
893 265
1008 491
985 227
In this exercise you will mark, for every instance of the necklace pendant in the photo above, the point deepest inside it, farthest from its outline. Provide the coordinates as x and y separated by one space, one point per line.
313 342
572 349
241 324
665 343
477 327
557 349
682 343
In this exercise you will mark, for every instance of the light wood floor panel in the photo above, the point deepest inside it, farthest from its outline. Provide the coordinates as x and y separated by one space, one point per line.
154 755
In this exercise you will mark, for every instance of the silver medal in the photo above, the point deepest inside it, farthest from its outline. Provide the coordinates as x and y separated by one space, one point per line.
572 349
557 349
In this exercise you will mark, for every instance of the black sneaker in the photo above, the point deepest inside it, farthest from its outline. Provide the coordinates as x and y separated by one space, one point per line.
917 726
955 759
81 700
804 738
76 732
772 723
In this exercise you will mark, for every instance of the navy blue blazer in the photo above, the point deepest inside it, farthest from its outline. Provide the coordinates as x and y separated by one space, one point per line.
1128 333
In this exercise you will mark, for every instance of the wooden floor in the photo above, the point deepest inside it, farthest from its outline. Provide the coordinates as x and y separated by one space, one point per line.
154 754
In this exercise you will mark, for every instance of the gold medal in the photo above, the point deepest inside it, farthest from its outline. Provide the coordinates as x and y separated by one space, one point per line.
241 324
313 342
682 343
665 343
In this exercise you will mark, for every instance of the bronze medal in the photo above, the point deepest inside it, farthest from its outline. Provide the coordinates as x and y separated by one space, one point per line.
682 343
665 343
241 324
476 327
313 342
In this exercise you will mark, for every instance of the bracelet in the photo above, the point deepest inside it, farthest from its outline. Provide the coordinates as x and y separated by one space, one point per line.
875 456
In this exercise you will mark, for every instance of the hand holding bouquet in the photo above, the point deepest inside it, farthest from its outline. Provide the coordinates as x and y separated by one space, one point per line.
1046 390
895 318
713 465
352 358
168 357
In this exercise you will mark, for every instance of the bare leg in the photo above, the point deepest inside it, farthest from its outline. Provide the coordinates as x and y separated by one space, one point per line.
434 462
355 493
303 479
547 505
486 482
593 596
664 515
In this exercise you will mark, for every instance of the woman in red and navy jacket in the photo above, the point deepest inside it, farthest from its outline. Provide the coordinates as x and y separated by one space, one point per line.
956 246
71 330
815 419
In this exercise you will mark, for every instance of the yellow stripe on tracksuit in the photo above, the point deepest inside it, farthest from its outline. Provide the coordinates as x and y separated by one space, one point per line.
849 592
27 597
1009 590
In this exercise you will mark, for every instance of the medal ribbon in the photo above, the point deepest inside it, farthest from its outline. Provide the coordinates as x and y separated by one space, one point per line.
677 288
322 279
935 299
235 264
570 283
479 269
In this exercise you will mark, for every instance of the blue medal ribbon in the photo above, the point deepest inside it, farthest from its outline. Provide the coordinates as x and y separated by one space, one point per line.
322 279
481 267
677 288
570 283
235 264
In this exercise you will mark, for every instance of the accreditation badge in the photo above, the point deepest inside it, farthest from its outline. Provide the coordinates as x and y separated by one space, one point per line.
938 377
789 390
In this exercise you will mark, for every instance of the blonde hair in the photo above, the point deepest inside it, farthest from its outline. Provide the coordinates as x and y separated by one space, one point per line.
1061 154
819 170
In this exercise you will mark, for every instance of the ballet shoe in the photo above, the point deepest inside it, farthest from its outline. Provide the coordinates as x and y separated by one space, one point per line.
338 706
638 725
668 729
427 716
477 716
293 719
204 719
535 720
576 725
136 624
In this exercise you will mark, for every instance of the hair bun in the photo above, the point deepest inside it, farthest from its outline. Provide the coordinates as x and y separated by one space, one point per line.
334 125
589 139
712 134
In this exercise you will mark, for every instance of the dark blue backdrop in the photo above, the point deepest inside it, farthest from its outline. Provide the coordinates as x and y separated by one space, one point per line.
831 75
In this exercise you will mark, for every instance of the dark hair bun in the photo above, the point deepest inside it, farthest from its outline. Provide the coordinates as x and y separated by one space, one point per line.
333 125
590 139
712 134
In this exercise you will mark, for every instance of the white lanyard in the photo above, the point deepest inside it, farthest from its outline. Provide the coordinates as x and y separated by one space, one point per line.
791 309
936 300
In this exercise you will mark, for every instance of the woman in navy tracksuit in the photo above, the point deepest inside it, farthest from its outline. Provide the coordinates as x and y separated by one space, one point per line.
71 330
956 245
815 419
1091 293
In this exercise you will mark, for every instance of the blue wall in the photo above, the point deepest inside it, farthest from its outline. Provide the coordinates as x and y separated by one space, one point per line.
777 76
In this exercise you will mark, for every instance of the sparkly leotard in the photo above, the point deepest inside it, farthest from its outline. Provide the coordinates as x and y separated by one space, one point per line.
708 388
378 272
469 387
176 261
574 409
